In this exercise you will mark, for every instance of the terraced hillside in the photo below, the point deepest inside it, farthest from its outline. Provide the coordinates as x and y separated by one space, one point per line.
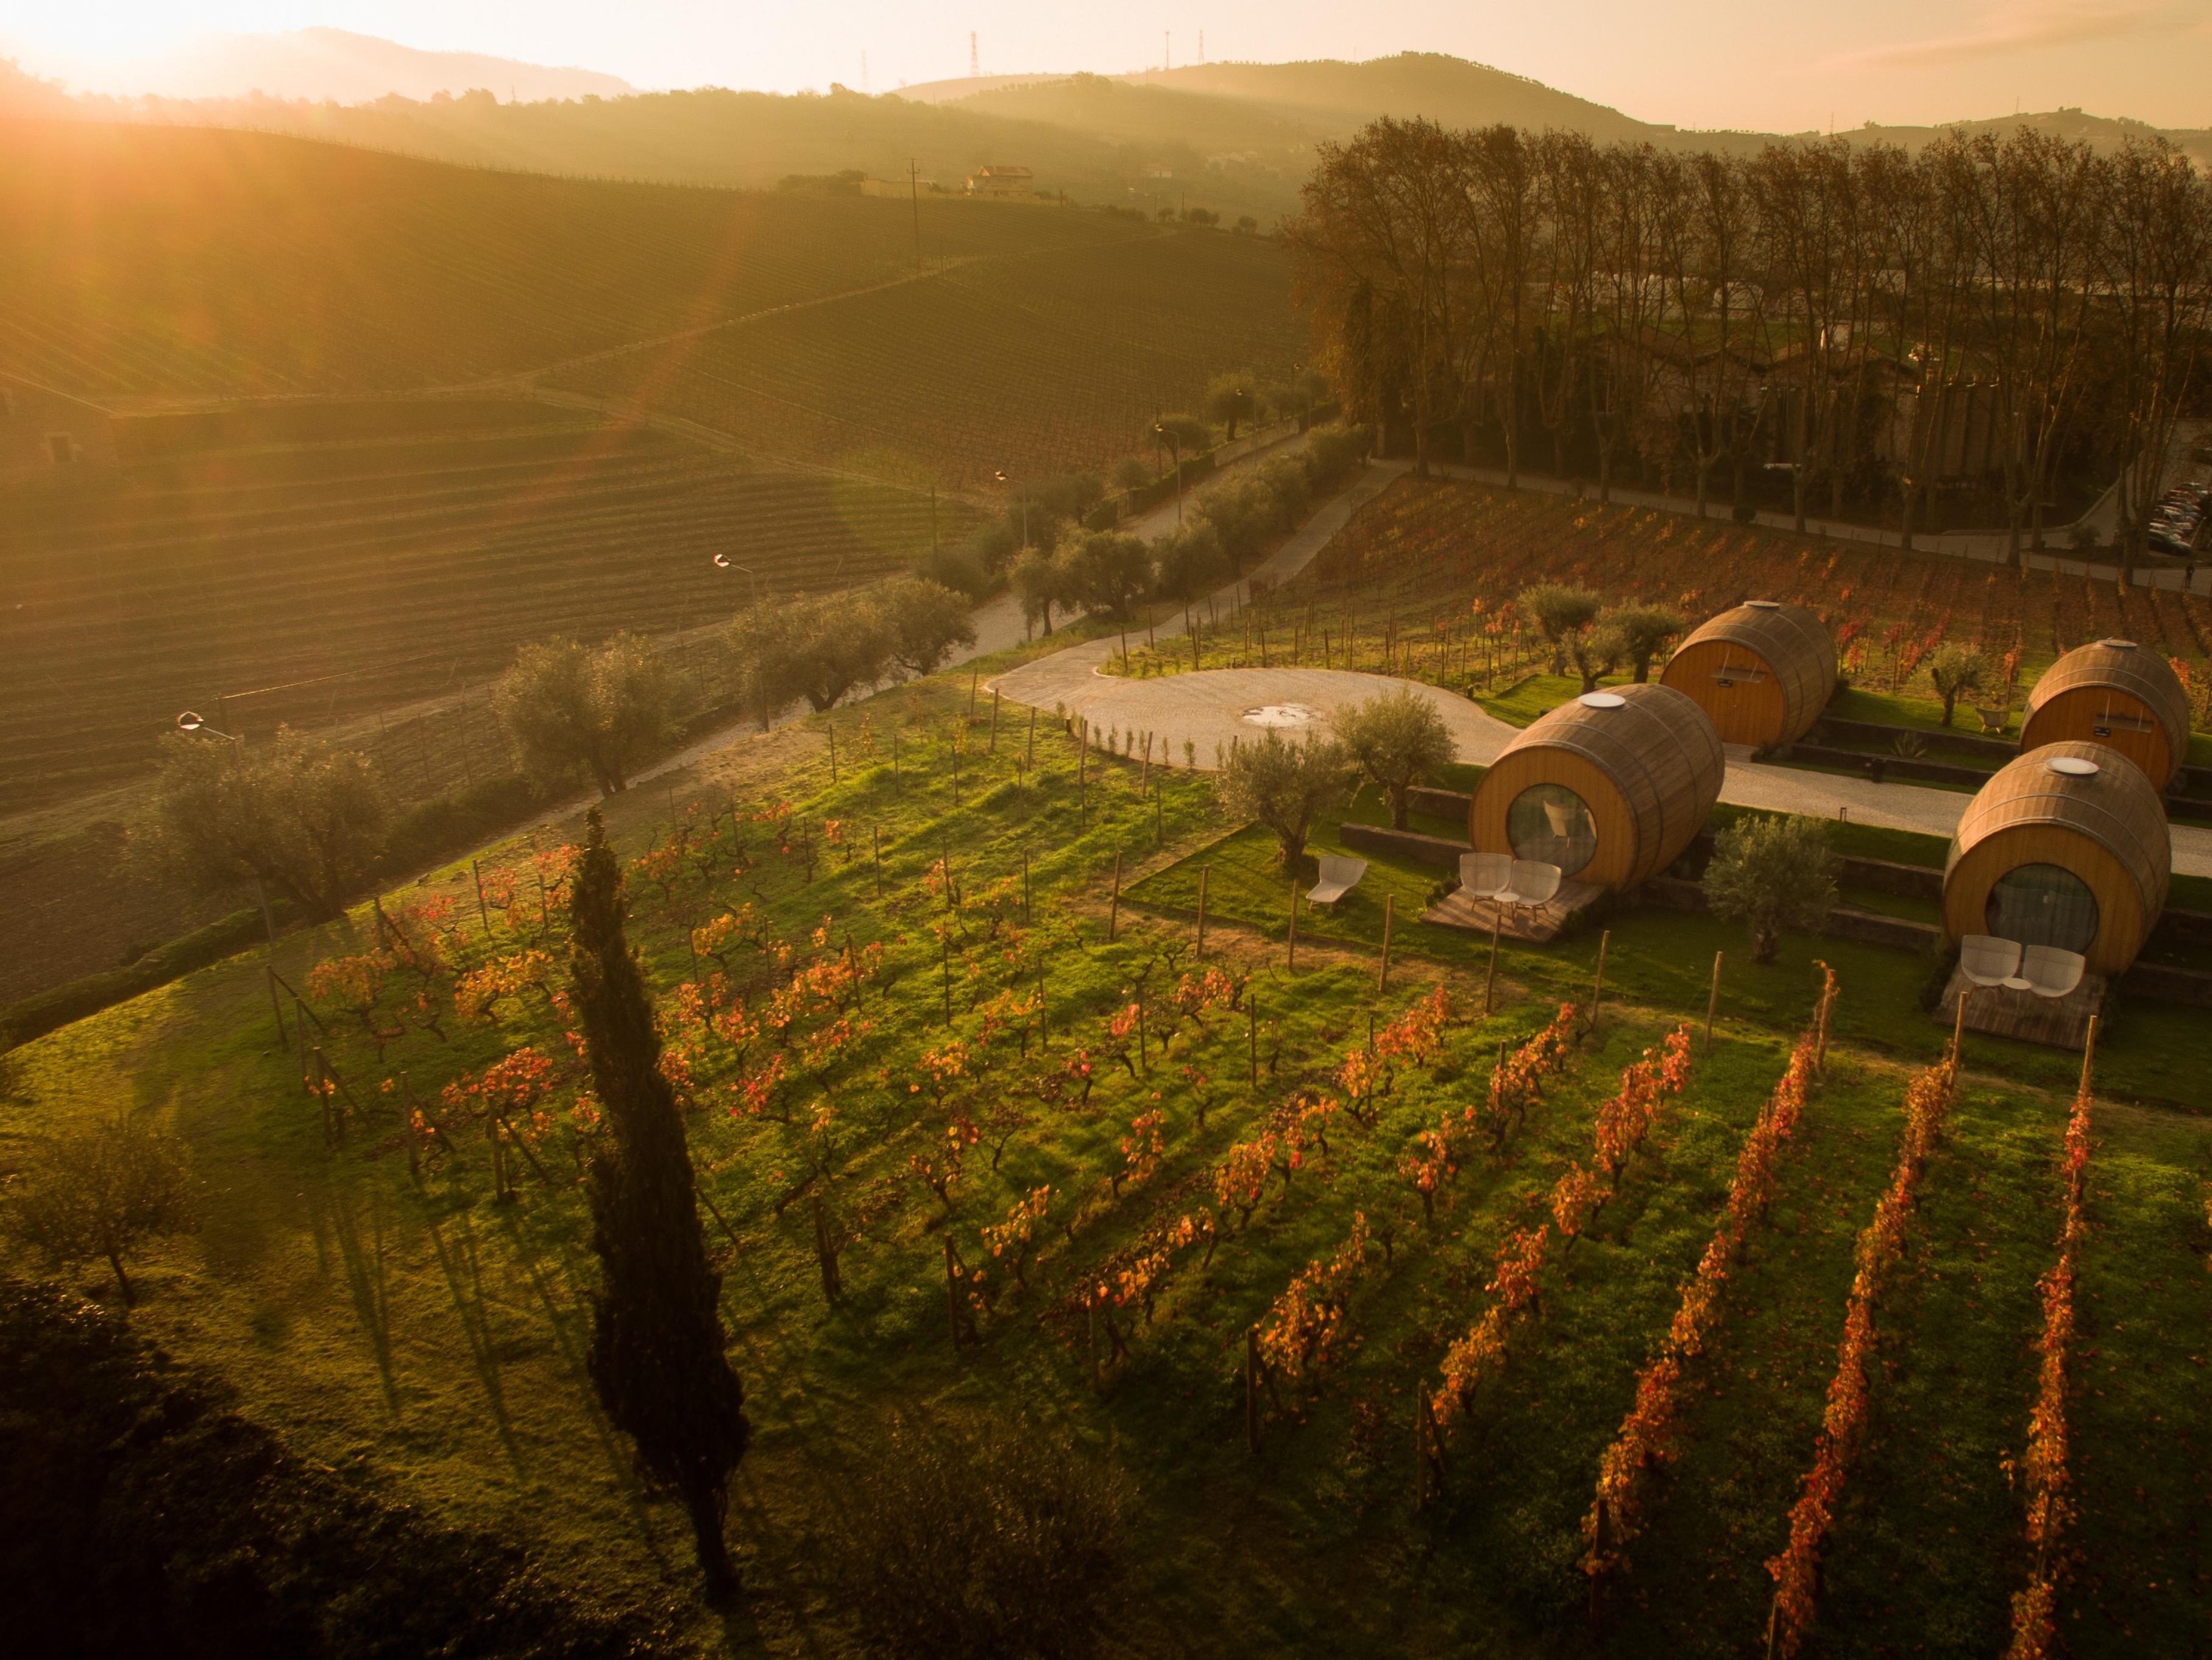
257 549
1037 363
162 261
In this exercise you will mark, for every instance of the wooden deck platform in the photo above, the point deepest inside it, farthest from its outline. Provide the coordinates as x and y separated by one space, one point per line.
1530 925
2062 1023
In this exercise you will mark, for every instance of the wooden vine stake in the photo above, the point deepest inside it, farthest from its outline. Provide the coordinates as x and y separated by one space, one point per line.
1028 755
1490 980
1712 1002
1252 1389
482 914
2088 1053
1597 997
1958 1032
1252 1036
1389 915
994 720
1204 873
276 1007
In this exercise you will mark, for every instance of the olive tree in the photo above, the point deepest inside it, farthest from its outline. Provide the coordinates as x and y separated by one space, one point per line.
1957 671
1231 398
568 706
1595 651
99 1191
300 815
1397 740
1106 571
924 622
817 648
1771 874
1643 631
1281 785
1187 562
1041 583
1559 611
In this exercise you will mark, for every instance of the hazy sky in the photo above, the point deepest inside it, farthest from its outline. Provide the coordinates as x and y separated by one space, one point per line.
1773 65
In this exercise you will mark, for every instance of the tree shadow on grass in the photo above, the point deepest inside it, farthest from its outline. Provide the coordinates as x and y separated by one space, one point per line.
457 1261
335 1210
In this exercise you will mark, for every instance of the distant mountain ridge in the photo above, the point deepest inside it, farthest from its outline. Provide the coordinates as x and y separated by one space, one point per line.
328 65
1238 139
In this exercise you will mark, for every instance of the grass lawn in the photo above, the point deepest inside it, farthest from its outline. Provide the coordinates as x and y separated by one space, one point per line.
425 1339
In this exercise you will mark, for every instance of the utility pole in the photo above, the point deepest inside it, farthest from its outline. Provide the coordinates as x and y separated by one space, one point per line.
914 186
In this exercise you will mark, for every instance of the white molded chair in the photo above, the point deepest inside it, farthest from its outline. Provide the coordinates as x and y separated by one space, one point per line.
1533 883
2051 972
1338 876
1485 875
1987 960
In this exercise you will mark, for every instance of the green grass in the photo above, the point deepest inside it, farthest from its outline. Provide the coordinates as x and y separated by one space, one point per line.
1852 703
430 1340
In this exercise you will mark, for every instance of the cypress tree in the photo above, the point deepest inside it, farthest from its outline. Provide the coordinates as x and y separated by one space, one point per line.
657 1343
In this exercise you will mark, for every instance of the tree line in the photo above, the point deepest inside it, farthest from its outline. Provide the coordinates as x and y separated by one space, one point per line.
2003 314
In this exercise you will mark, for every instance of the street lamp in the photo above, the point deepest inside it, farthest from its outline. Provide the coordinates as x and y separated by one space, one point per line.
192 721
1174 448
723 562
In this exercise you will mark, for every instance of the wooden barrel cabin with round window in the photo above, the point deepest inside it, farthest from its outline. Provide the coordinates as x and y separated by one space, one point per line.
1763 672
1610 787
2117 693
2067 845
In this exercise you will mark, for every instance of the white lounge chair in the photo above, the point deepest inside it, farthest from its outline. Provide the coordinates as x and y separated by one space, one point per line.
1987 960
1533 883
1485 875
2051 972
1338 876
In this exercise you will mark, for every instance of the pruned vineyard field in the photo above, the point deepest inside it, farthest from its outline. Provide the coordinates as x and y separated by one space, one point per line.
1035 365
1069 1179
1426 557
360 572
163 261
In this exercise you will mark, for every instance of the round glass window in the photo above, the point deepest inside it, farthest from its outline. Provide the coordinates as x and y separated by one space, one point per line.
2043 905
1550 825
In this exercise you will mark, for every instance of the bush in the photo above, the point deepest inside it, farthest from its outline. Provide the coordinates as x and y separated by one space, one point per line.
1560 611
1956 670
996 1542
1332 452
144 1515
433 832
570 708
49 1011
96 1191
1772 873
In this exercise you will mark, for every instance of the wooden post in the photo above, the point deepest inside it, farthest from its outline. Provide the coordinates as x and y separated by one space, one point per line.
2088 1053
482 914
1598 995
1252 1036
1292 961
974 679
1712 1002
1490 981
947 960
1114 906
1082 776
1958 1032
994 720
1252 1389
1027 915
1029 757
1601 1543
276 1007
1205 874
831 1289
1389 914
952 1293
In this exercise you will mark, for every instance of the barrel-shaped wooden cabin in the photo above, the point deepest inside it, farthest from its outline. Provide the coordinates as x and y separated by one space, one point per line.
1763 672
2117 693
1610 787
2067 845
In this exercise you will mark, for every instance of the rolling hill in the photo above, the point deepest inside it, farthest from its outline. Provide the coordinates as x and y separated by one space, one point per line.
382 419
